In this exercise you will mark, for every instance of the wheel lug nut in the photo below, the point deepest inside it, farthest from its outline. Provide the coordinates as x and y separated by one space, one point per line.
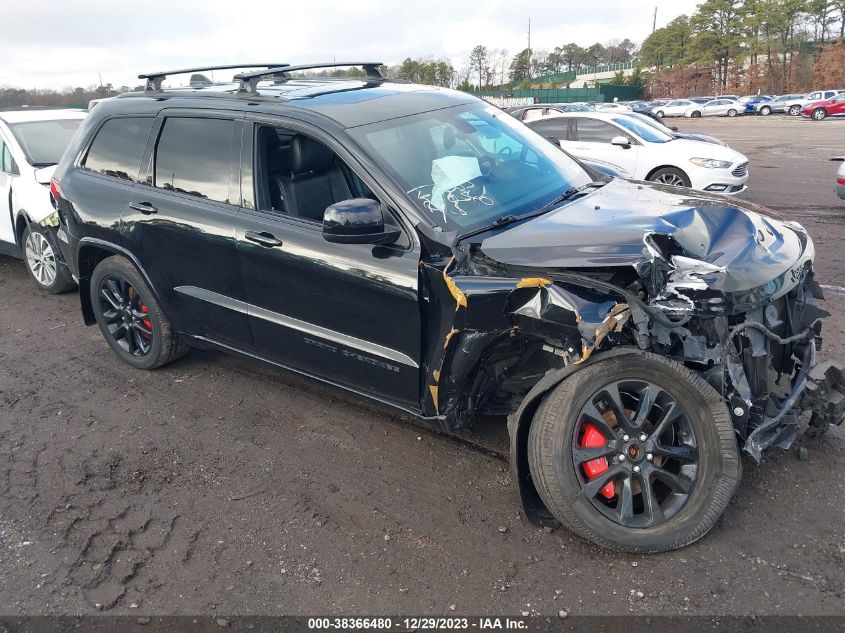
643 437
620 457
636 469
625 438
649 457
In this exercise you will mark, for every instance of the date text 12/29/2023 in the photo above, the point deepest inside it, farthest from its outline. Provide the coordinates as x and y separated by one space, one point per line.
424 623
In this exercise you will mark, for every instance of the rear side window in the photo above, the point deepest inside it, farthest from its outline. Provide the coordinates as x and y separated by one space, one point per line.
8 163
594 131
118 147
554 126
193 156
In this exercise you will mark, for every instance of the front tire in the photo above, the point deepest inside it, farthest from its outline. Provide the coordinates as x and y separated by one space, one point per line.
667 490
695 115
43 262
765 110
670 176
130 318
660 114
731 113
819 114
794 110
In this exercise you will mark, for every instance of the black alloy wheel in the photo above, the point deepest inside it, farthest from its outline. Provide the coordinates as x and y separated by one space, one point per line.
635 453
129 316
126 316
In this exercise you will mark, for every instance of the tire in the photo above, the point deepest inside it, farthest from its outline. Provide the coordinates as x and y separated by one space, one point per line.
765 110
794 110
552 444
731 112
819 114
43 261
130 318
695 114
660 113
670 176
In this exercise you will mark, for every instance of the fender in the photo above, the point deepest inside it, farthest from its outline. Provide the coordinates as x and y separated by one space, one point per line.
84 280
519 423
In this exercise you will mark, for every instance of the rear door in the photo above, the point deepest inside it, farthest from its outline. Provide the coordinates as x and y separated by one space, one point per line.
180 222
8 171
837 108
347 313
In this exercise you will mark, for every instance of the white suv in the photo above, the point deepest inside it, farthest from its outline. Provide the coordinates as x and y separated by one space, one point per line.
31 143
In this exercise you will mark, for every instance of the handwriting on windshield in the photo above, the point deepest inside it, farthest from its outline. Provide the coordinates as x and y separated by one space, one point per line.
452 200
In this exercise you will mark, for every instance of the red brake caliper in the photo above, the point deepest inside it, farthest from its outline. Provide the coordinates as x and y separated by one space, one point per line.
595 467
147 323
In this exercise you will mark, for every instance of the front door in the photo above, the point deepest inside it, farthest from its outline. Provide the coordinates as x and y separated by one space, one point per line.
592 139
348 313
7 175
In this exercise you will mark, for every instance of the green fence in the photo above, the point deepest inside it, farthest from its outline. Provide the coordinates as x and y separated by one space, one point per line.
604 92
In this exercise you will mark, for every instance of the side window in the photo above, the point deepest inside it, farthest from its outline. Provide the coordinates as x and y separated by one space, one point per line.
550 127
532 113
8 163
594 131
193 156
118 147
299 176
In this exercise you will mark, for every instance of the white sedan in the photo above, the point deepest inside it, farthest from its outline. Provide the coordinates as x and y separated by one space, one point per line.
717 107
31 143
639 151
674 108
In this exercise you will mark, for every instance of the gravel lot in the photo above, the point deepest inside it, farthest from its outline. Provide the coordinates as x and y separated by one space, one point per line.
221 486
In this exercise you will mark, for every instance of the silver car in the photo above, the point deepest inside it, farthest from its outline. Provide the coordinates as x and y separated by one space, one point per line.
717 107
778 104
840 177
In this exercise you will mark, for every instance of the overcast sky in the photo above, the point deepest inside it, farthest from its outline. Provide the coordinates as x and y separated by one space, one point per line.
59 44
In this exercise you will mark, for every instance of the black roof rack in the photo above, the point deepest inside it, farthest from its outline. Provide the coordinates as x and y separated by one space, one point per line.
249 81
154 80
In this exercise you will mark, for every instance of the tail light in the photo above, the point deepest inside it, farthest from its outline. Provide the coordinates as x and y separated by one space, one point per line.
55 193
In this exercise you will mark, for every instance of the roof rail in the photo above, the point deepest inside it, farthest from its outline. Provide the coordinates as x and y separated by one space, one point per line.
154 80
249 81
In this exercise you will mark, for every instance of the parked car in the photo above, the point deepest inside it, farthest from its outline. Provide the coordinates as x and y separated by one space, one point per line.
776 104
840 177
753 102
640 151
673 108
614 107
701 100
717 107
528 113
794 107
32 141
819 110
673 131
420 247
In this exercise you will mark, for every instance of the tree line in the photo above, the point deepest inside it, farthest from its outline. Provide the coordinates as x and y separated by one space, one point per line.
775 46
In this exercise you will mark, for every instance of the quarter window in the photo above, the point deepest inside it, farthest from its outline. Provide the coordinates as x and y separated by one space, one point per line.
8 163
193 156
118 147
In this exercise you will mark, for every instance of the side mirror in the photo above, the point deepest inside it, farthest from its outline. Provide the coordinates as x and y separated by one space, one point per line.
357 221
621 141
554 140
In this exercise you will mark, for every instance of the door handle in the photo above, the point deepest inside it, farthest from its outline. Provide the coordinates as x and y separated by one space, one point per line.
263 238
144 207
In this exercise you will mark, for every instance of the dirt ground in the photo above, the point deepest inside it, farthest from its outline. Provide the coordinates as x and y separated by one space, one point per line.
221 486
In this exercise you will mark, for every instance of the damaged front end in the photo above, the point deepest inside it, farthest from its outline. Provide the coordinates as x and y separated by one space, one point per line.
724 290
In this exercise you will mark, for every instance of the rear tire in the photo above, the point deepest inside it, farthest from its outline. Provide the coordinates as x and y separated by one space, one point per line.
43 261
819 114
732 112
695 115
556 458
765 110
670 176
130 318
660 113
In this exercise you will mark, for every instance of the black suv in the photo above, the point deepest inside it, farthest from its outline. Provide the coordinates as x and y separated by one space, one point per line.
422 248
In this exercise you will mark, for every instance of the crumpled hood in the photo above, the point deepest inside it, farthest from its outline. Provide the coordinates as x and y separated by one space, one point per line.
631 223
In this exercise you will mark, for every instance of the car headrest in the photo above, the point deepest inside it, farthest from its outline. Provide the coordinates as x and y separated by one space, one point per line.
308 155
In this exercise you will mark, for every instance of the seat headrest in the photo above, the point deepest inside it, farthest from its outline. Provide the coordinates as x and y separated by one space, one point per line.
308 155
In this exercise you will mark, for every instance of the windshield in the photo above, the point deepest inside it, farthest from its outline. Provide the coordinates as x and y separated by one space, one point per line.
644 131
470 165
44 142
657 125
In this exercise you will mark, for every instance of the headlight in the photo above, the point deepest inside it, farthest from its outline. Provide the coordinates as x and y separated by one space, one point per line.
711 163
